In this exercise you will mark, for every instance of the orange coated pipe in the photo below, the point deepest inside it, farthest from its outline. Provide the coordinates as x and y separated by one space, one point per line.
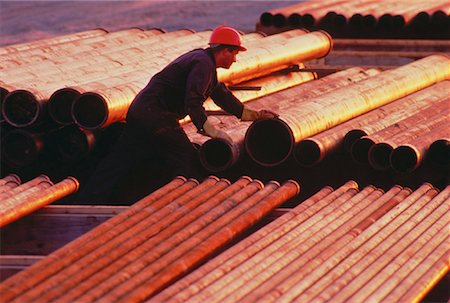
299 258
153 256
28 203
324 276
9 181
40 271
384 232
382 264
301 121
233 256
311 151
243 217
408 157
117 252
258 256
25 186
389 272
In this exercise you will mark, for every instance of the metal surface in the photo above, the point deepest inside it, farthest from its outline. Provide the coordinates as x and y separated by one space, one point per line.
28 201
311 151
303 120
176 227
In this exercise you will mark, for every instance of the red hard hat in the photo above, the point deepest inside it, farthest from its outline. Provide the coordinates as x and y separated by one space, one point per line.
226 35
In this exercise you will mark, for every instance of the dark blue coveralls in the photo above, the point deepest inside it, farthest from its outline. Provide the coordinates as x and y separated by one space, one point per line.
154 148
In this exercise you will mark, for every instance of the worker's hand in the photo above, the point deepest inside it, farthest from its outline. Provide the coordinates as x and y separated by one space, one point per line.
267 114
213 132
252 115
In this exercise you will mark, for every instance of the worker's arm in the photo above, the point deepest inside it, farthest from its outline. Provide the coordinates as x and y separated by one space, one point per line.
225 99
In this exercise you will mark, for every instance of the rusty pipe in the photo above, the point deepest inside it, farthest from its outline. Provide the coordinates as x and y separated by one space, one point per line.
328 110
312 150
405 158
27 204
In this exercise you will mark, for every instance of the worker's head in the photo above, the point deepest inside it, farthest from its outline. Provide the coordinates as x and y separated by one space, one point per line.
226 44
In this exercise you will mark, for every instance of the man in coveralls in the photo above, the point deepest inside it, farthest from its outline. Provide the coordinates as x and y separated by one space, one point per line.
153 136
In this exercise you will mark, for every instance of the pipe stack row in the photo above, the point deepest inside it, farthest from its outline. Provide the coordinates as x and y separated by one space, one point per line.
86 85
364 19
142 250
271 142
219 155
339 245
19 200
94 85
323 116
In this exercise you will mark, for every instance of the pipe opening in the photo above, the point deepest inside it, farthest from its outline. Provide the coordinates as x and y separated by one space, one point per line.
351 137
385 21
439 152
404 159
89 111
307 152
369 21
20 148
216 155
360 150
308 20
295 20
398 22
20 108
266 19
74 144
3 93
269 142
279 20
340 20
60 105
379 155
355 20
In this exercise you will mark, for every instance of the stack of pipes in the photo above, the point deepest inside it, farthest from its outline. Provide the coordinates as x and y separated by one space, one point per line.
271 142
147 247
23 199
100 77
366 18
343 245
218 154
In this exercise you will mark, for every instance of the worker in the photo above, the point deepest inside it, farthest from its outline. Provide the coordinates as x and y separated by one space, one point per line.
153 143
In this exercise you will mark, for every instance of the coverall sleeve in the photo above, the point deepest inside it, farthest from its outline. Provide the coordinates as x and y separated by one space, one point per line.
197 85
225 99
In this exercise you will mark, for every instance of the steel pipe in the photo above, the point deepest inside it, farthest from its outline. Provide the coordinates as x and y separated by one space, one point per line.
26 203
439 152
379 153
20 47
25 186
241 252
47 267
10 178
111 105
312 150
406 158
270 142
21 147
